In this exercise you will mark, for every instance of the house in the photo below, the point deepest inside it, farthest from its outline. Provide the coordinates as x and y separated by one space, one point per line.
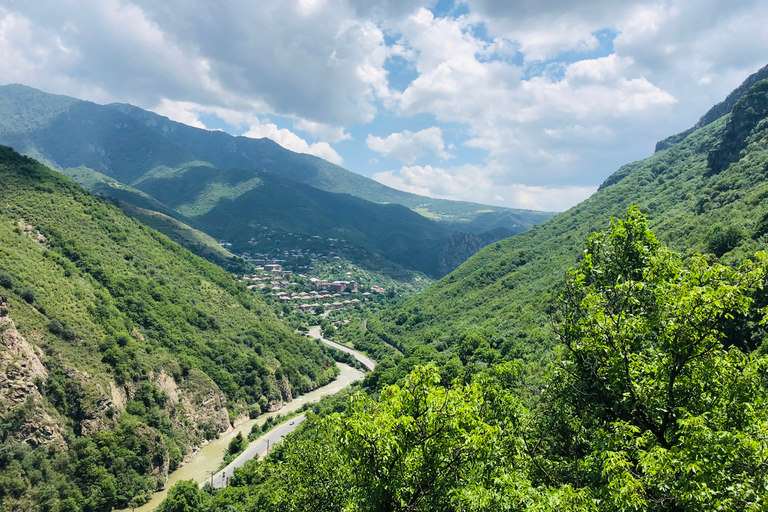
273 268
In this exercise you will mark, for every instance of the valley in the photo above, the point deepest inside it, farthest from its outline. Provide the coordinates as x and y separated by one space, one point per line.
206 461
169 294
247 191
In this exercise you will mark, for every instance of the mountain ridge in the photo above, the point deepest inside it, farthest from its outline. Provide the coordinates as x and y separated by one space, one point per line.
134 148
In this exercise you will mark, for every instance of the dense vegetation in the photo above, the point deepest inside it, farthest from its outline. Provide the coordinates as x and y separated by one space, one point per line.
654 402
494 307
146 349
230 187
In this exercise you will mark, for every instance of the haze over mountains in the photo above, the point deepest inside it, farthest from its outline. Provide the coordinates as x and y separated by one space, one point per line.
231 187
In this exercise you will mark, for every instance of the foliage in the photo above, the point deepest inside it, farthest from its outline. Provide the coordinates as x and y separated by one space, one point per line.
645 409
648 405
185 496
116 305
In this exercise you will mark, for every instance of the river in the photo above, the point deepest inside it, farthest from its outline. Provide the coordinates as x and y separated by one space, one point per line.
210 457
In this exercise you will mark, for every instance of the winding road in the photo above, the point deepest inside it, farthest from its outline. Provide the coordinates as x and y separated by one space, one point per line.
368 363
210 457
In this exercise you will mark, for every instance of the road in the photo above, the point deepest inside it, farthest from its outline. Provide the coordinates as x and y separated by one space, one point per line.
256 449
210 457
368 363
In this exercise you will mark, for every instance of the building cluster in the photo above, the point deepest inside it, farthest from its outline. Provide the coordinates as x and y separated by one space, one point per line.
335 286
329 305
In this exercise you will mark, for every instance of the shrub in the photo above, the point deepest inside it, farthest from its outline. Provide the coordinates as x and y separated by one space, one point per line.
68 334
55 327
237 444
28 294
6 280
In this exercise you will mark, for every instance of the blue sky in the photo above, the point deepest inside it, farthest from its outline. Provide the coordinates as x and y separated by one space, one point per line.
529 104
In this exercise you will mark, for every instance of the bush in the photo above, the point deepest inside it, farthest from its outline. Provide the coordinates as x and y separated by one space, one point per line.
722 239
6 280
68 334
237 444
28 294
254 411
55 327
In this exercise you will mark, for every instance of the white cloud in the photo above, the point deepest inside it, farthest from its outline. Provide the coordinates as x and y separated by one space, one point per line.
474 183
290 140
322 130
527 104
184 112
408 147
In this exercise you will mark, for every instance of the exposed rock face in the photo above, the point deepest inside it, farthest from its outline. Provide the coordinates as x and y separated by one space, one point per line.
285 390
201 403
718 111
119 397
20 368
743 127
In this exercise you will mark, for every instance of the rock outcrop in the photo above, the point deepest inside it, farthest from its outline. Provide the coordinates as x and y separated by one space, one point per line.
21 368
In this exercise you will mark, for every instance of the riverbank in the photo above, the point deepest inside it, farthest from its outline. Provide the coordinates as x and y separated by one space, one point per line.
210 457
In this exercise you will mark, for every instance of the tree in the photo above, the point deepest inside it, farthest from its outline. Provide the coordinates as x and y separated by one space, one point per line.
237 444
646 406
424 446
184 496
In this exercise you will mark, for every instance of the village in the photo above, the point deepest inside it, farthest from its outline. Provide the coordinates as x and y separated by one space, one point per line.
308 294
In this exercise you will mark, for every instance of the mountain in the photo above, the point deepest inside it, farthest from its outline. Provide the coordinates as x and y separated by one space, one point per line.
225 151
120 351
198 176
705 191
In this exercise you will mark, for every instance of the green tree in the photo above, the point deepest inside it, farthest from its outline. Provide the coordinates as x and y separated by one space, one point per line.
646 407
237 444
422 446
184 496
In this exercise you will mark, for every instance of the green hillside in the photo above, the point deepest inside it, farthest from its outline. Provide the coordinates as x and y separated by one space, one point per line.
121 351
655 402
706 193
146 160
226 204
226 151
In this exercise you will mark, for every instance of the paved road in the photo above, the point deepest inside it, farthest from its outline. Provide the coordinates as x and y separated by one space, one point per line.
368 363
209 458
256 449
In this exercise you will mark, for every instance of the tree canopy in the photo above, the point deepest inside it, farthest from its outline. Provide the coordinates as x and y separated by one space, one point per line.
649 405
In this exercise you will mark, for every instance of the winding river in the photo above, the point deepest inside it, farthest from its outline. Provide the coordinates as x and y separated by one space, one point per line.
210 457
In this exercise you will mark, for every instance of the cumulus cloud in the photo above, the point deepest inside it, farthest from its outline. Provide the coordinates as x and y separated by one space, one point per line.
408 147
475 183
552 95
322 131
290 140
318 61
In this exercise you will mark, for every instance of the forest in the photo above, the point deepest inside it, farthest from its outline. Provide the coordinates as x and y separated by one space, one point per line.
655 400
148 350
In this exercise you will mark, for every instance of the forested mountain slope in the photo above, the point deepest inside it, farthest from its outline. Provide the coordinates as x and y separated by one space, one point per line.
121 351
706 192
226 151
141 158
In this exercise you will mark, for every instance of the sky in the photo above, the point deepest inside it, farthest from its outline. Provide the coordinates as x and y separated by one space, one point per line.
524 103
